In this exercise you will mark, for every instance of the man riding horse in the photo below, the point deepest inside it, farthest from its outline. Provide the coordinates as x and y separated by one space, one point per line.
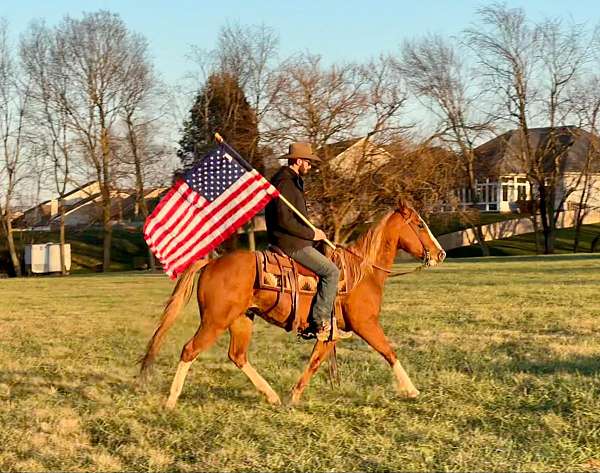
286 231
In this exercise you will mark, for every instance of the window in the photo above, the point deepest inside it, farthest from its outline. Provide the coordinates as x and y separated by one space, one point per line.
505 193
521 192
493 193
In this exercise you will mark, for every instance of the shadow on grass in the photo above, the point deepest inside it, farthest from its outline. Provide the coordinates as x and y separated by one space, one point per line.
28 383
582 365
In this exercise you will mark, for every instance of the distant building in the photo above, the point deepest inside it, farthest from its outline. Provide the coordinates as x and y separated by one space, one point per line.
83 206
354 155
500 167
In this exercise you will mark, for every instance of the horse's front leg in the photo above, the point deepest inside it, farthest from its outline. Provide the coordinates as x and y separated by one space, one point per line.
372 333
320 352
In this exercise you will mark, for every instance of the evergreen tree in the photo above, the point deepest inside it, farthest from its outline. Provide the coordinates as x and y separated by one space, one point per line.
220 106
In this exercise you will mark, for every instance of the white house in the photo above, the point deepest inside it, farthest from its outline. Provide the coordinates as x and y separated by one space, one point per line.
502 183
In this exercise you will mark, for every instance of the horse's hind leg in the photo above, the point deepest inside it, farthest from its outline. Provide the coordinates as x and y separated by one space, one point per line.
241 332
204 338
320 352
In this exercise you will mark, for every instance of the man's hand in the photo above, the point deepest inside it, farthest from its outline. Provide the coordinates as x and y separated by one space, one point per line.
319 235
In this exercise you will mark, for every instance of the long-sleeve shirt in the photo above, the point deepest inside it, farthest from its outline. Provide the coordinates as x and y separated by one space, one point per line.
284 228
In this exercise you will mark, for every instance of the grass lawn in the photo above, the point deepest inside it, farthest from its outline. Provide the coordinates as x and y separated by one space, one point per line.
525 244
448 222
505 351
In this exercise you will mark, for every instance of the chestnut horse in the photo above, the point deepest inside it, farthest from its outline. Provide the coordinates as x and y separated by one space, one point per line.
227 299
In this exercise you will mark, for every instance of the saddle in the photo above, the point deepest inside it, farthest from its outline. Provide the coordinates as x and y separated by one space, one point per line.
275 271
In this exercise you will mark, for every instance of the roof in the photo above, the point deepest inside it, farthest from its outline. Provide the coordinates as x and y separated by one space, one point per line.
504 154
334 149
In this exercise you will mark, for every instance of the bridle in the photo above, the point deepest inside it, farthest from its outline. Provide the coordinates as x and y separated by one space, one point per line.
425 261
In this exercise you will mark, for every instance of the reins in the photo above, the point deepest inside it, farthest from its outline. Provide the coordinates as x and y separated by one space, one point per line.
380 268
391 274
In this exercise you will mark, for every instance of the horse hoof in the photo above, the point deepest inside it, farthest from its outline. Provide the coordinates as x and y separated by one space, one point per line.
274 400
170 404
409 393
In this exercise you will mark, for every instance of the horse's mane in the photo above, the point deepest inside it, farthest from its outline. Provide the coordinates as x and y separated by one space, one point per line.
367 247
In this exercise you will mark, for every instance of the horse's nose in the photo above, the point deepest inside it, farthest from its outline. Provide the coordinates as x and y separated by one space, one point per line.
441 256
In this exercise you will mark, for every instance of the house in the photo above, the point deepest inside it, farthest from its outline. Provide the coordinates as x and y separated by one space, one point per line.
83 206
500 169
40 215
354 155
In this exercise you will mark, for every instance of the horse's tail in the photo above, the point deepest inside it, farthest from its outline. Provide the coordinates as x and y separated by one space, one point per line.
178 300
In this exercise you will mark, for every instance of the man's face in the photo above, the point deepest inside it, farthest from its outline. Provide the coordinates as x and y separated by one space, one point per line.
304 167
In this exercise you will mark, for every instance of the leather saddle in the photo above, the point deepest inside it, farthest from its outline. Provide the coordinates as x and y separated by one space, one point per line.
275 271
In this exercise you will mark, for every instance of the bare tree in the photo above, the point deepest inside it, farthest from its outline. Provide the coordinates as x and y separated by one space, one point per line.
317 104
246 55
586 97
140 91
320 106
436 73
362 182
15 101
565 53
249 54
38 51
530 68
350 113
97 54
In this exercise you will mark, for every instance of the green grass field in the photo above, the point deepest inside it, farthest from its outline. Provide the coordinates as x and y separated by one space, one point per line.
524 244
505 351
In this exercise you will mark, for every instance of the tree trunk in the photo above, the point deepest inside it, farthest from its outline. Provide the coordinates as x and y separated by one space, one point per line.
139 182
106 200
485 249
11 245
536 230
580 212
577 232
143 208
546 222
63 265
251 236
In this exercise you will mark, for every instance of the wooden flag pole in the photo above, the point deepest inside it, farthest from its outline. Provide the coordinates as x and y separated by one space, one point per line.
219 139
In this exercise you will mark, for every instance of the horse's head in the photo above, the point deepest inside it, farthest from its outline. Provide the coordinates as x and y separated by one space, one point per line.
414 236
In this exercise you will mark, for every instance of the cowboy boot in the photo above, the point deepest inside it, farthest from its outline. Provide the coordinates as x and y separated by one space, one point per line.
330 332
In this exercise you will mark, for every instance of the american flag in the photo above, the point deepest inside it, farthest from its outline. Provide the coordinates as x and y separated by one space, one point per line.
212 200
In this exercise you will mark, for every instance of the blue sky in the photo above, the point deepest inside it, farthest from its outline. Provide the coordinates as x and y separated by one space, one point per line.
338 30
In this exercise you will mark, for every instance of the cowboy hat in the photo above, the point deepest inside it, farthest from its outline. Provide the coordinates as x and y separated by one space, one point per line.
301 151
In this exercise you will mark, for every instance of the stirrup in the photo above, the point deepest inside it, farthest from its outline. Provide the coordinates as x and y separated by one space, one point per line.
309 333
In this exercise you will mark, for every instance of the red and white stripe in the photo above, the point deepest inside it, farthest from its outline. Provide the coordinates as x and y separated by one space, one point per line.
184 227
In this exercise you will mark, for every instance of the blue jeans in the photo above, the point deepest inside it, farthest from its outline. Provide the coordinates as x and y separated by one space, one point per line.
328 273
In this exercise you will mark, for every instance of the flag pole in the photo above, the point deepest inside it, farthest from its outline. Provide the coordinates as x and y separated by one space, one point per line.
220 140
